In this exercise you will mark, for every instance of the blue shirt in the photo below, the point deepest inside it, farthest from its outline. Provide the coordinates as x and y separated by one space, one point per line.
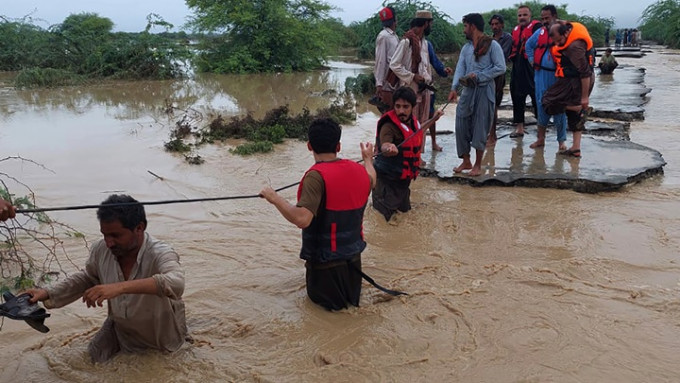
434 60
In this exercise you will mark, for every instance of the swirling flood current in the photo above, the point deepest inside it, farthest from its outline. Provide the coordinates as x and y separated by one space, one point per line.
505 284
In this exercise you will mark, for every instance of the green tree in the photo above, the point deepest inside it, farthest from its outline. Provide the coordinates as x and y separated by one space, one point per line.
661 22
261 35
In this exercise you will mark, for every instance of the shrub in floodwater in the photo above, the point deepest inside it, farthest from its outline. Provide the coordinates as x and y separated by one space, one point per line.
176 145
253 147
361 84
46 77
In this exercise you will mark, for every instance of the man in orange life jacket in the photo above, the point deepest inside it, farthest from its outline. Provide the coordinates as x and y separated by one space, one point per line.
399 138
522 74
574 55
538 50
331 200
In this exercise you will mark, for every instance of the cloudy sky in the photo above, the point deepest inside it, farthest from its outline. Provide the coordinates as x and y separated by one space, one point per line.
130 15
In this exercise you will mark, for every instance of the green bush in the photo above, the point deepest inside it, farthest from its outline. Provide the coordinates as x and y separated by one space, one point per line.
46 77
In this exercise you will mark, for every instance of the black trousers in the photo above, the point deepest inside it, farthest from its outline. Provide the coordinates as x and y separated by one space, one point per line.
521 86
334 285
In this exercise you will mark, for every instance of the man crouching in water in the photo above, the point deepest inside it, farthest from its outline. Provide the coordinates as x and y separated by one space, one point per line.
331 200
399 138
140 278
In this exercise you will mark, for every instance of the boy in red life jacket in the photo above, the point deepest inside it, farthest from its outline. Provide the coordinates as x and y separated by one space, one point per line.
399 138
330 209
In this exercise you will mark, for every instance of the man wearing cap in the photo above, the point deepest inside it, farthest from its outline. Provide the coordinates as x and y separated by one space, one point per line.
481 60
385 45
411 63
504 39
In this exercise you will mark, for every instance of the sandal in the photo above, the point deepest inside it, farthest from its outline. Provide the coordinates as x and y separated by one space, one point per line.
19 308
571 153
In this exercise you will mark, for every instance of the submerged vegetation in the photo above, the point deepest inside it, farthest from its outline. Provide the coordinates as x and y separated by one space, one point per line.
661 23
261 135
83 47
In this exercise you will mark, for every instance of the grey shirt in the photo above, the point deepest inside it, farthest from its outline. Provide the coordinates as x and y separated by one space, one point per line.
141 321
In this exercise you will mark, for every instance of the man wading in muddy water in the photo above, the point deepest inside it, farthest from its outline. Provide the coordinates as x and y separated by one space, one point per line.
139 276
330 209
399 138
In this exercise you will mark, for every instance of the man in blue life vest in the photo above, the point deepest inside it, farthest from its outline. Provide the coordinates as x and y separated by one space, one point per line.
538 50
399 138
330 208
522 74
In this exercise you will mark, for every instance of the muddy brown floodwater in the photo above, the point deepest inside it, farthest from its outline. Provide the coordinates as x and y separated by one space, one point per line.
506 284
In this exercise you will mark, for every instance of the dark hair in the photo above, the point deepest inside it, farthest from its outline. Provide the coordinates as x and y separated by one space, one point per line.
129 215
474 19
551 8
562 29
324 135
524 6
405 93
419 22
497 17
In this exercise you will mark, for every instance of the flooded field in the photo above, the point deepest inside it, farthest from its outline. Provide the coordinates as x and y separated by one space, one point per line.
505 284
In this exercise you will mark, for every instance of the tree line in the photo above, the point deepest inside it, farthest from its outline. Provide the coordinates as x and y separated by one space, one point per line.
243 36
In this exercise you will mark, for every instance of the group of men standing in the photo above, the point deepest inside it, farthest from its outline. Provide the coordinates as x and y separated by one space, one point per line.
551 60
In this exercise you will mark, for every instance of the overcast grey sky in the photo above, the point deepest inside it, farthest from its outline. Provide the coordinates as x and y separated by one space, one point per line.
130 15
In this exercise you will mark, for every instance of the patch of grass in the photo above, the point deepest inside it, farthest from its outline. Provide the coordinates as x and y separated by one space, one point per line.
46 77
177 145
253 147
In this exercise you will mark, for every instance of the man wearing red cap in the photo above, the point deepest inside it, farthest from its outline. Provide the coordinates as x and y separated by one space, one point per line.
385 45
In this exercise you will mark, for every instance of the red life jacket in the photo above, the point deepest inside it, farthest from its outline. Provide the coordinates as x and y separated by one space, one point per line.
406 164
336 233
565 68
542 47
519 38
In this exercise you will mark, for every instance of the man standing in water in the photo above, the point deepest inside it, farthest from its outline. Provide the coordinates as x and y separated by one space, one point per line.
504 39
385 45
481 60
330 209
399 138
538 51
574 55
140 278
522 75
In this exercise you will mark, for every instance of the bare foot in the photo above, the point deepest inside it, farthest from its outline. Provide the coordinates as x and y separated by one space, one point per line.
463 166
537 144
436 148
562 148
476 171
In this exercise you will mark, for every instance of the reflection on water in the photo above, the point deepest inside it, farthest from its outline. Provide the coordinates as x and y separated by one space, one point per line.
532 284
